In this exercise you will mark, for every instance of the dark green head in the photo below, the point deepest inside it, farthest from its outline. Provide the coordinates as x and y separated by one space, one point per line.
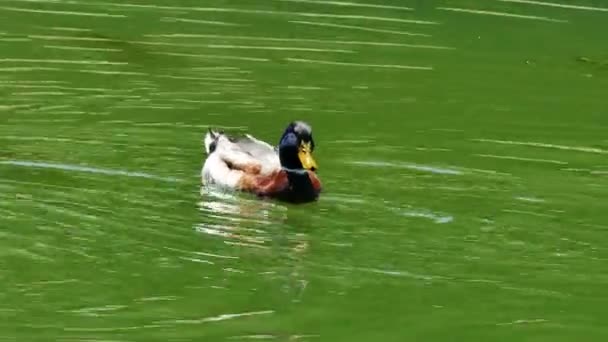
296 146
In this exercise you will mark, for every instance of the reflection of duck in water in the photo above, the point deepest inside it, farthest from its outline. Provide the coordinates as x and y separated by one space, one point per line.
287 172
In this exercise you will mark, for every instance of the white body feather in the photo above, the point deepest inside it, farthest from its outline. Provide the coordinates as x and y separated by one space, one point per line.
222 151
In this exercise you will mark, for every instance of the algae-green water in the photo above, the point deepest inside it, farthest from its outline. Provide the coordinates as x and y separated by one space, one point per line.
461 144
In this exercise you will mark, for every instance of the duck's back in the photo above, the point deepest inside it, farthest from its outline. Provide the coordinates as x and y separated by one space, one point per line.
259 151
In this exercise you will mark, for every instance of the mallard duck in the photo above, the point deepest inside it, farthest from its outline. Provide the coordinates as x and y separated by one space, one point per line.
286 172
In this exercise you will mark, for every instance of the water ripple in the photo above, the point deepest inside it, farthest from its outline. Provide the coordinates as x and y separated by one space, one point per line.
78 168
417 167
218 318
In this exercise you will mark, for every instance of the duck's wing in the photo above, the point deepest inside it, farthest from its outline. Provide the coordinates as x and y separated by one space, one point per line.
259 150
254 146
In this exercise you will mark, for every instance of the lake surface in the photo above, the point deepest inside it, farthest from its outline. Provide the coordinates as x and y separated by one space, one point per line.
462 146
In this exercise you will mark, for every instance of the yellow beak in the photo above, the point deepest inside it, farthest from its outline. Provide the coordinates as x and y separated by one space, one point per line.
305 155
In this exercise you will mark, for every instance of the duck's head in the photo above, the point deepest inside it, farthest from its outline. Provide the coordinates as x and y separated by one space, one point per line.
296 147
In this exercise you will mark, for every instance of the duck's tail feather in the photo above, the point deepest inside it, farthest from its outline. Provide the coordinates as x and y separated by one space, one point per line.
210 140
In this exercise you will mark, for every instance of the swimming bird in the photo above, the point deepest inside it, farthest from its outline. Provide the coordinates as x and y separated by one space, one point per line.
286 172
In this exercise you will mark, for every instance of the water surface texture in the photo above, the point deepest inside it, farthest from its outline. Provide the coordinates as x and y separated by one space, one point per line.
462 146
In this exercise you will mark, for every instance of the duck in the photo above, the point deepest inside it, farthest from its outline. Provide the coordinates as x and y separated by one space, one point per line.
287 172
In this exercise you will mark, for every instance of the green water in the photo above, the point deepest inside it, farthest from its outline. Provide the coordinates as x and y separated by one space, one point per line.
464 198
